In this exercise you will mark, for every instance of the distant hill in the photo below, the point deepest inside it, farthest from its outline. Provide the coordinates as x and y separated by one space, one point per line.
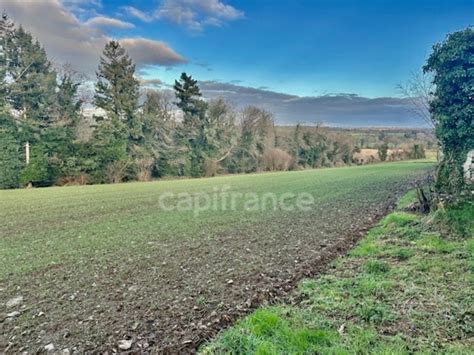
338 110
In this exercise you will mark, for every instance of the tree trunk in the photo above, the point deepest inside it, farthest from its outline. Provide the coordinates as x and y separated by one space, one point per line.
423 201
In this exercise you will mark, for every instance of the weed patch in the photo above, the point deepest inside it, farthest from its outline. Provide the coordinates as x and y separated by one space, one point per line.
376 267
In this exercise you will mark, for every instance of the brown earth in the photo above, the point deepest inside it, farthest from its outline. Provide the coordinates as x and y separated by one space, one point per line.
182 292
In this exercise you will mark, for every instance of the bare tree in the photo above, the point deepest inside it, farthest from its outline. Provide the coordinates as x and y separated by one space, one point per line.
221 132
419 92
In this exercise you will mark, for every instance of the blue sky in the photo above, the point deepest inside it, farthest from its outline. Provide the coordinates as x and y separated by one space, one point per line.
308 47
299 59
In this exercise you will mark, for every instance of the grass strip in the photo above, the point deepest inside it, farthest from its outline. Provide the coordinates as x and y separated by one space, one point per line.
406 288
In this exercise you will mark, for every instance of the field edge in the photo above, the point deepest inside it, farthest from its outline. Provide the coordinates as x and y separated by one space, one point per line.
377 297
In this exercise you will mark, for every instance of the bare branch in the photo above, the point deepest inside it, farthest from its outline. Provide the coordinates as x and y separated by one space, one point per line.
418 91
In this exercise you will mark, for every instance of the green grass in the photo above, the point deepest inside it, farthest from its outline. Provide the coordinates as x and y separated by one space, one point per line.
407 199
457 220
41 228
406 288
101 263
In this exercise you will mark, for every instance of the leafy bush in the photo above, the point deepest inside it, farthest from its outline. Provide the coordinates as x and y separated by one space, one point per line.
38 170
9 161
452 108
383 152
417 152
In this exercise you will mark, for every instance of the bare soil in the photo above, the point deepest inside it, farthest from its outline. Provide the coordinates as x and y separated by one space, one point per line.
181 292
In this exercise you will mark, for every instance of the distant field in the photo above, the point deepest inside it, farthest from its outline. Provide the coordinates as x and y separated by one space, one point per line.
371 138
432 155
99 264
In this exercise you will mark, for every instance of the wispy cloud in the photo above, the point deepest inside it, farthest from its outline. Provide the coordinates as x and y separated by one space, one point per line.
104 21
134 12
192 14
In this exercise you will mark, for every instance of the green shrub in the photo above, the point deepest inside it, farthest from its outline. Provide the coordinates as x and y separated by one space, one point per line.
37 171
376 314
452 66
376 267
10 164
383 152
417 152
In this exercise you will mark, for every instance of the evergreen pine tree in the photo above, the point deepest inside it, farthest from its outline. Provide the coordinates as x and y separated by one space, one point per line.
195 123
32 85
117 89
45 111
9 161
6 34
29 93
68 106
60 138
189 98
10 164
118 133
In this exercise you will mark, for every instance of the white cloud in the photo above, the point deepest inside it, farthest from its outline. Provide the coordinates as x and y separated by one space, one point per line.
103 21
216 8
134 12
150 52
192 14
68 40
97 3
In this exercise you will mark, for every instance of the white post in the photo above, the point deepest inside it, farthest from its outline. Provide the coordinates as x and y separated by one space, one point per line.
27 152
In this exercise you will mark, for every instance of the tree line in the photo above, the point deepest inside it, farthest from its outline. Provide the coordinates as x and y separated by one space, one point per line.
135 135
